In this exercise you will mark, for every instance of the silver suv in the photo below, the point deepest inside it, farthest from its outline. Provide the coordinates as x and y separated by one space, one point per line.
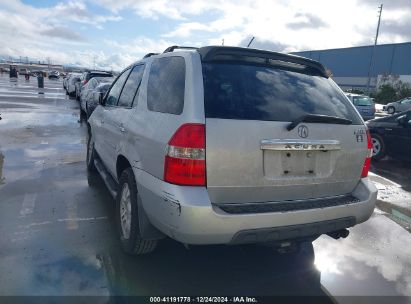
227 145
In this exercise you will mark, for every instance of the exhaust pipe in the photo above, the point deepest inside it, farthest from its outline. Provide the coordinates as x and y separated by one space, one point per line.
343 233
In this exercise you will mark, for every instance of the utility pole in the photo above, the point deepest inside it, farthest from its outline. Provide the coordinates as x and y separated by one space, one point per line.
222 42
251 41
373 49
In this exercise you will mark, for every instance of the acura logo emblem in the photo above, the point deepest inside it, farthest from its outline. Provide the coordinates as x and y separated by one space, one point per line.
302 131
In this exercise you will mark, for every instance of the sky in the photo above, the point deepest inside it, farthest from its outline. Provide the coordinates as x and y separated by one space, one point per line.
111 34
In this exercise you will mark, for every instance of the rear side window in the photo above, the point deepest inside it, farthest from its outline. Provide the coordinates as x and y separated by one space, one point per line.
257 92
113 95
131 86
166 84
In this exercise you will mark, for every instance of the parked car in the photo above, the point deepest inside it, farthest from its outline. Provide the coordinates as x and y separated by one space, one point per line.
364 104
71 83
86 76
391 136
35 73
398 106
228 145
24 72
65 79
54 75
90 93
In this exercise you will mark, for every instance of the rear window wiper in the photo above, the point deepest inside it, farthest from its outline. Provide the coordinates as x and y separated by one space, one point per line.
315 118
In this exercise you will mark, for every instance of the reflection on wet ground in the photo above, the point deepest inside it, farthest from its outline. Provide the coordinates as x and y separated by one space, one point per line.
394 198
57 232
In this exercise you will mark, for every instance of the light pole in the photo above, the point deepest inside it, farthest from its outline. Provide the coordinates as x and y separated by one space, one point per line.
251 41
373 49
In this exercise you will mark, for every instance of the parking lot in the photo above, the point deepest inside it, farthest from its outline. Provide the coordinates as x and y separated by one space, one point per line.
57 233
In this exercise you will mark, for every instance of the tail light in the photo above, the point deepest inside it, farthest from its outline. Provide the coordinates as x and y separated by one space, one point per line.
367 162
84 82
185 156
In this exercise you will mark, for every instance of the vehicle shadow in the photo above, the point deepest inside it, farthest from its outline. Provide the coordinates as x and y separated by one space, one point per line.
173 270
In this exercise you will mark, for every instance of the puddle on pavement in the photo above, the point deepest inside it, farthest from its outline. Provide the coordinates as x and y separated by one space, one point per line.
44 274
373 260
29 120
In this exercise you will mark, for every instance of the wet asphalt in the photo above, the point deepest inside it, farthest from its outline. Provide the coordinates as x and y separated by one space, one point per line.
57 232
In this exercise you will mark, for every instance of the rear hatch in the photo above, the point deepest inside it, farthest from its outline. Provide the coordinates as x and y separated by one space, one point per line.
251 156
364 105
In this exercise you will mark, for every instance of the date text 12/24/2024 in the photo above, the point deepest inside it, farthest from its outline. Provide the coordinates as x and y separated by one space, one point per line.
203 300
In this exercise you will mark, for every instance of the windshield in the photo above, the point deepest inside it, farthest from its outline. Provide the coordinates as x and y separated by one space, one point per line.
362 101
256 92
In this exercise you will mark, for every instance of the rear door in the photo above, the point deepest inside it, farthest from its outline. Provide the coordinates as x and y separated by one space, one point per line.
118 117
108 129
250 154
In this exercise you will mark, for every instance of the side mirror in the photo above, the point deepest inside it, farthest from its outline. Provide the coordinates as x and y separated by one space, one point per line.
402 120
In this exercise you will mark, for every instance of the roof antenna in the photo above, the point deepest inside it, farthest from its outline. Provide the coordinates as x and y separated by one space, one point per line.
251 41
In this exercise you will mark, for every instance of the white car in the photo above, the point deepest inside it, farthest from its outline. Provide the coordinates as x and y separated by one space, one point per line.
399 106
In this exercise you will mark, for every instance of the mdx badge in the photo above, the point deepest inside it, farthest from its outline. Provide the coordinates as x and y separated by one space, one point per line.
359 135
302 131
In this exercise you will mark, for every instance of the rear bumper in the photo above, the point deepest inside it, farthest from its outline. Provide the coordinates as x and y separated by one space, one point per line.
187 215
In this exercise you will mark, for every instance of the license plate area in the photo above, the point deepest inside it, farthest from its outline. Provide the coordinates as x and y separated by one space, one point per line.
297 164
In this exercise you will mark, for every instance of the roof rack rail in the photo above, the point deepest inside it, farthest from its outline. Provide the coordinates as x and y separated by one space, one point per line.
172 48
149 55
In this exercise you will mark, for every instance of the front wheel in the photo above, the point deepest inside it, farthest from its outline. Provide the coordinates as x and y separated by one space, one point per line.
91 153
127 217
378 147
391 110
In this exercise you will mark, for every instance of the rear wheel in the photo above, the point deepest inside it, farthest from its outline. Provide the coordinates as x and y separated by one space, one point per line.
391 110
378 147
127 217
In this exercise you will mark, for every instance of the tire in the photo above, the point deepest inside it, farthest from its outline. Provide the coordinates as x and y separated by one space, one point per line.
378 147
91 153
391 110
127 217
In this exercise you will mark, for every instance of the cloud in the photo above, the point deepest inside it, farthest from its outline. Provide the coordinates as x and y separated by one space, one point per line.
186 29
399 27
306 21
72 11
284 25
140 46
392 4
264 44
63 33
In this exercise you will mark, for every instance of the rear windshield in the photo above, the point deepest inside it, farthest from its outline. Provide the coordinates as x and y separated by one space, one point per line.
251 92
362 101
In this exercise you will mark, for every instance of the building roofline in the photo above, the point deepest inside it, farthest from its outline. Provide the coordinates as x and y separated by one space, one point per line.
352 47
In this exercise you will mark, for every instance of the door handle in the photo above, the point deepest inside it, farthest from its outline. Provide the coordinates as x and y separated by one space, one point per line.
388 129
121 127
